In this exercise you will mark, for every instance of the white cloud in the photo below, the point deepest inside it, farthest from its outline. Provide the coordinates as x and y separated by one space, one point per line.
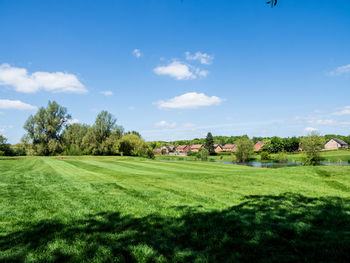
176 70
191 100
73 121
344 111
203 58
201 73
5 128
137 53
31 83
165 124
107 93
309 130
321 122
341 70
180 71
15 105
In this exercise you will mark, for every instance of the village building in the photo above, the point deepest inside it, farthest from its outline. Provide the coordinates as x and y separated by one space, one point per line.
218 148
166 150
336 144
157 151
258 146
196 147
229 148
183 148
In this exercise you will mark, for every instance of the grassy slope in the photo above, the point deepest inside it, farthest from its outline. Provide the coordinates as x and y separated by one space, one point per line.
129 209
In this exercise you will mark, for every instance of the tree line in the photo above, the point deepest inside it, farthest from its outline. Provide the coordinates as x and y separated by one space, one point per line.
311 146
50 132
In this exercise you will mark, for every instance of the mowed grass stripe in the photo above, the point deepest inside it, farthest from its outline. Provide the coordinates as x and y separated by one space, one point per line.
134 188
182 184
132 194
237 173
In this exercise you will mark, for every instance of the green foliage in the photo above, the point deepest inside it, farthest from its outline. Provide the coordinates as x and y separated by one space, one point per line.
280 157
133 145
135 133
312 145
245 149
265 156
19 149
73 136
192 153
43 130
102 137
5 148
291 144
274 145
204 153
224 153
209 143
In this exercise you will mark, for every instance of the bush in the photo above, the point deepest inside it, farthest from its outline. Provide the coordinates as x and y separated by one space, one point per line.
204 154
265 156
19 150
280 157
224 153
312 146
233 158
245 149
72 150
133 145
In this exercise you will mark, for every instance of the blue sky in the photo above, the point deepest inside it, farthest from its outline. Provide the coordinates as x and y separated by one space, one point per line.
178 69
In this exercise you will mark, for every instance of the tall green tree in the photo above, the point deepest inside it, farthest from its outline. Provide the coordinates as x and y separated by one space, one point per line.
209 143
312 145
44 129
73 138
245 149
101 137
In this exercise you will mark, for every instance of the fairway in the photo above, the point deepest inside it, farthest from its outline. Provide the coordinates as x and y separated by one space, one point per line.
123 209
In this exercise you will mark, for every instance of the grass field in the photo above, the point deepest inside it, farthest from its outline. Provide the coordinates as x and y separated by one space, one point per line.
115 209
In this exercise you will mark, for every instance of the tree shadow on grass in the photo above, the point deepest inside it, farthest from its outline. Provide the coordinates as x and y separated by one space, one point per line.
284 228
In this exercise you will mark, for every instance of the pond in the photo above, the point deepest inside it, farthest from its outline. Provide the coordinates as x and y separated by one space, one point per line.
279 165
265 164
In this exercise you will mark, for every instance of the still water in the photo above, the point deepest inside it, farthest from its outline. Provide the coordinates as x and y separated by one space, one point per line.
279 165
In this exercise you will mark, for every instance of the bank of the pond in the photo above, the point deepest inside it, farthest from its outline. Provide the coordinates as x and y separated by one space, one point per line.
266 164
338 156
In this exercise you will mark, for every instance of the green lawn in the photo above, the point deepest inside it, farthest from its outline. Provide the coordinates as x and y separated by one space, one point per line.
105 209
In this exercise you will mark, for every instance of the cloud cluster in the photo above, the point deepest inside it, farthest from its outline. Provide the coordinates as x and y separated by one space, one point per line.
165 124
180 71
203 58
191 100
107 93
344 111
341 70
309 130
22 81
137 52
15 105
